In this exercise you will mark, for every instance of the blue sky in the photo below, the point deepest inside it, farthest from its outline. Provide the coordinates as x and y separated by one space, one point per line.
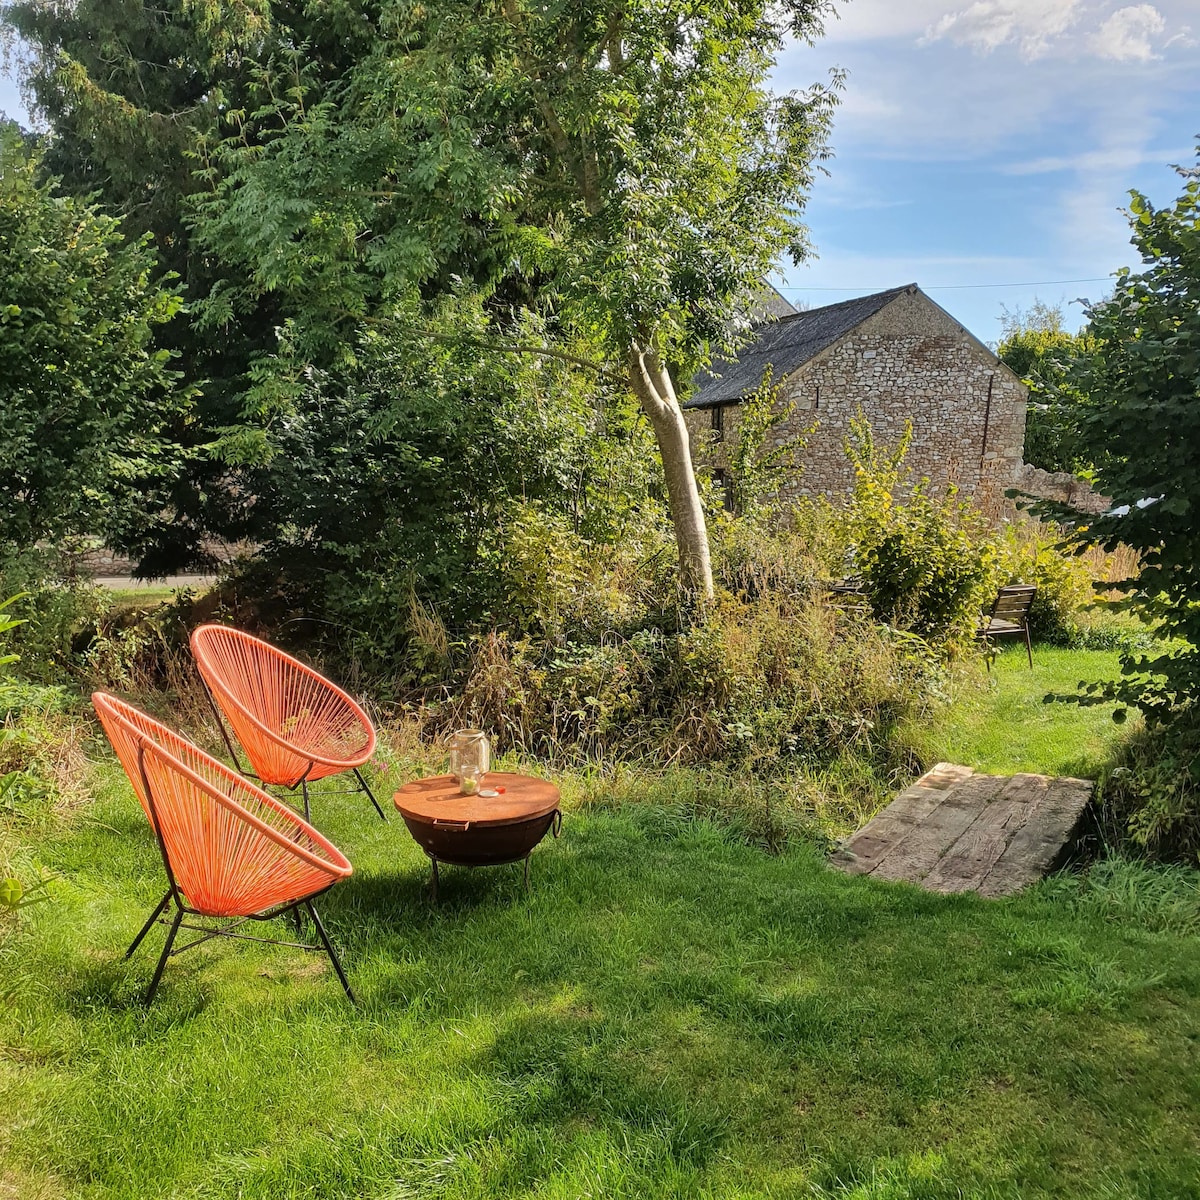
985 142
994 142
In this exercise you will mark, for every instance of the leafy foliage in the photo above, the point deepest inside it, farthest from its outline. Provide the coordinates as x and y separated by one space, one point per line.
925 561
1142 427
132 94
760 458
429 466
1151 798
1028 552
767 682
90 405
137 97
620 170
1037 347
8 623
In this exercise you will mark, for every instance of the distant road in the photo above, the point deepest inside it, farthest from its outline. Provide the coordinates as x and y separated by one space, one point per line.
123 583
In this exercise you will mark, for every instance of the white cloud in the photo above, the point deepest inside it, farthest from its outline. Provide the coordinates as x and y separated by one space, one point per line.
1182 39
1112 159
873 20
1032 25
1129 34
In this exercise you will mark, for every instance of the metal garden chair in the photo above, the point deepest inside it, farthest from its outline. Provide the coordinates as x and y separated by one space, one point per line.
230 850
295 726
1009 617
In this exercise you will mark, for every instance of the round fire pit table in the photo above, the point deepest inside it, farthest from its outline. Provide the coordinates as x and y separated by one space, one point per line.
479 831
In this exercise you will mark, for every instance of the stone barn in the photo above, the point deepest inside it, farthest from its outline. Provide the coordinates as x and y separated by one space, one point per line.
896 356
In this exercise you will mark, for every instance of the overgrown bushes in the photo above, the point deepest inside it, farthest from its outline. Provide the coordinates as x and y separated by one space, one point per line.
1027 552
1152 796
759 682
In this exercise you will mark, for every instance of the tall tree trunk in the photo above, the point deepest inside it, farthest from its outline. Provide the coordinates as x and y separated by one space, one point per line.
651 383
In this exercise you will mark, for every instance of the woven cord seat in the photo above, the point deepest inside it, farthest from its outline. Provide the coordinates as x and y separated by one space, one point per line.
230 850
294 724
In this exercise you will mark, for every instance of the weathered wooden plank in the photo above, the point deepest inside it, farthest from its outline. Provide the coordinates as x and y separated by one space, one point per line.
919 852
879 836
944 776
965 865
1035 847
863 852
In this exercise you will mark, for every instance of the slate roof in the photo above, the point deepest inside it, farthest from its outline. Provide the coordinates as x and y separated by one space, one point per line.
784 344
774 304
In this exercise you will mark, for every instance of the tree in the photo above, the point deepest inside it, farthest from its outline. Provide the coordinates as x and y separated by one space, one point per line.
397 475
1037 347
1141 426
134 96
88 404
620 167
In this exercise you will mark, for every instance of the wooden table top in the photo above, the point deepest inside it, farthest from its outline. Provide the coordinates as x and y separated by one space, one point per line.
438 799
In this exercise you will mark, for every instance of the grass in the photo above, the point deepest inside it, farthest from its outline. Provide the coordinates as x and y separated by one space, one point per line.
1000 723
669 1013
145 596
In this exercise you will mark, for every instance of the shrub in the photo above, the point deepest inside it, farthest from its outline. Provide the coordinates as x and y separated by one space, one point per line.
762 457
753 556
926 561
1028 552
757 683
1151 799
89 404
1140 427
59 608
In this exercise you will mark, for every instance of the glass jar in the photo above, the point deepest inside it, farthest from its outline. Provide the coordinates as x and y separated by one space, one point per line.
470 759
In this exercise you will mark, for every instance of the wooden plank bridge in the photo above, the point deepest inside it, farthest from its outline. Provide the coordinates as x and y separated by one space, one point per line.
956 831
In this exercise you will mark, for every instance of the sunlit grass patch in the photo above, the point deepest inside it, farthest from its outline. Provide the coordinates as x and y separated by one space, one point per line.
1000 722
670 1012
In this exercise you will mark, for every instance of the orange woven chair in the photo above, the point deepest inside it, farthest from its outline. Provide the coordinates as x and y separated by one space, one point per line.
295 726
230 850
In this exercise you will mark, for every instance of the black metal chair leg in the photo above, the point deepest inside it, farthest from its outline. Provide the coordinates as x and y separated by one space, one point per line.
162 960
304 789
237 766
363 784
333 958
137 941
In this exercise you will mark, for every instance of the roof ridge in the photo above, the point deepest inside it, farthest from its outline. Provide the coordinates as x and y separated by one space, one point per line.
816 328
804 312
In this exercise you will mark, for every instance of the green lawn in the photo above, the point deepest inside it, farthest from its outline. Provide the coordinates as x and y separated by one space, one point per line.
670 1013
999 722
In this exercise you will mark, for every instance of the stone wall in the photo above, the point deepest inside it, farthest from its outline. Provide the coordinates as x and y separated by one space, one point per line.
1062 487
909 362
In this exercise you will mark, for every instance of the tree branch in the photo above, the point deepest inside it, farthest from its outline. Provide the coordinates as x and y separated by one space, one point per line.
546 352
601 370
586 172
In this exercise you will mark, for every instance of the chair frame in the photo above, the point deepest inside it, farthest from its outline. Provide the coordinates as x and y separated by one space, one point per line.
227 697
174 897
1021 627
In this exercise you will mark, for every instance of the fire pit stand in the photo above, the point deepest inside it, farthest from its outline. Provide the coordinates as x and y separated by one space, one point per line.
479 831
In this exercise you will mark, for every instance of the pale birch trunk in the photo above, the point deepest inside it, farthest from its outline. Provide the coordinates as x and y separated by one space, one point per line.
651 383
